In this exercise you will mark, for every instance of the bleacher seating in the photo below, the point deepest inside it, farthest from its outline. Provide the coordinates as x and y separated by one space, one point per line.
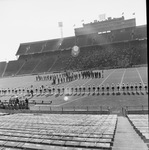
140 32
23 48
62 61
140 124
120 54
96 51
36 47
28 66
2 67
114 55
68 42
81 40
13 67
52 45
122 34
46 62
55 130
104 38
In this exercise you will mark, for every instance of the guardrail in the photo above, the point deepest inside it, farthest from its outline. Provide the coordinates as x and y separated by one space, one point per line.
61 110
71 110
142 109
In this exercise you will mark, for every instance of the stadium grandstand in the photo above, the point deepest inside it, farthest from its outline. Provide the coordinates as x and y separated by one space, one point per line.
88 91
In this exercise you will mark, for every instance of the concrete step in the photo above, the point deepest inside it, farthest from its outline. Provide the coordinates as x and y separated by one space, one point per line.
126 138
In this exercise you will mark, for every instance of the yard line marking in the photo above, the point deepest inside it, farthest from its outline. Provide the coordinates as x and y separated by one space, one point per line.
101 82
65 86
86 82
122 78
70 83
140 76
85 95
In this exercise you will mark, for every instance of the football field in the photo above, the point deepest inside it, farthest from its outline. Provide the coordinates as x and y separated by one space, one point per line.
114 101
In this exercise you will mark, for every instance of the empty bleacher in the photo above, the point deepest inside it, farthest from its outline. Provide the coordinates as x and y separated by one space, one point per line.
140 125
52 45
46 62
28 66
36 47
68 42
2 67
23 48
55 130
13 67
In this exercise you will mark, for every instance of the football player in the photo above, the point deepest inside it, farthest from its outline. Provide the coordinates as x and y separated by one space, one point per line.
103 88
113 87
140 86
118 87
94 89
98 89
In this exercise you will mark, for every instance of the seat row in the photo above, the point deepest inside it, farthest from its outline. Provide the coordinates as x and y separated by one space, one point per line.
43 131
140 124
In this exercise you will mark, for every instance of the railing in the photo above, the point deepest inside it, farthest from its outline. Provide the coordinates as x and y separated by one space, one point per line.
142 109
71 109
61 110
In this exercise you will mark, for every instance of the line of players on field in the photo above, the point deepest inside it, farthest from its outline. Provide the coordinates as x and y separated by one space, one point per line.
49 91
93 89
70 76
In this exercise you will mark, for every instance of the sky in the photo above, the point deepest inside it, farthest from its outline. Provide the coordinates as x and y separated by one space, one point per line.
23 21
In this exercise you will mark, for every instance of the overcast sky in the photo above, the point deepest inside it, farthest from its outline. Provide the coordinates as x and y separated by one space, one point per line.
24 21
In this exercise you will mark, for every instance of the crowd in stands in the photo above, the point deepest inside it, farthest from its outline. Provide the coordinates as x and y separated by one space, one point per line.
118 55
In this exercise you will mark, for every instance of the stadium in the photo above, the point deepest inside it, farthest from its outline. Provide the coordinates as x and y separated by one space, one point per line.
83 92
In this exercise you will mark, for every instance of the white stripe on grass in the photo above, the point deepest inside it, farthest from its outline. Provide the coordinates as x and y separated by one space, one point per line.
122 78
140 76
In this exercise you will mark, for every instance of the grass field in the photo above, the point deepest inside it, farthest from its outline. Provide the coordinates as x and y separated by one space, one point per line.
129 75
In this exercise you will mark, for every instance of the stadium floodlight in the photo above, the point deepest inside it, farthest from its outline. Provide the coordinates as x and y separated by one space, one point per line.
60 24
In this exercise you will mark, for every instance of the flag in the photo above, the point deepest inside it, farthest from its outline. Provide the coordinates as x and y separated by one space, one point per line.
74 25
82 20
122 13
133 14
